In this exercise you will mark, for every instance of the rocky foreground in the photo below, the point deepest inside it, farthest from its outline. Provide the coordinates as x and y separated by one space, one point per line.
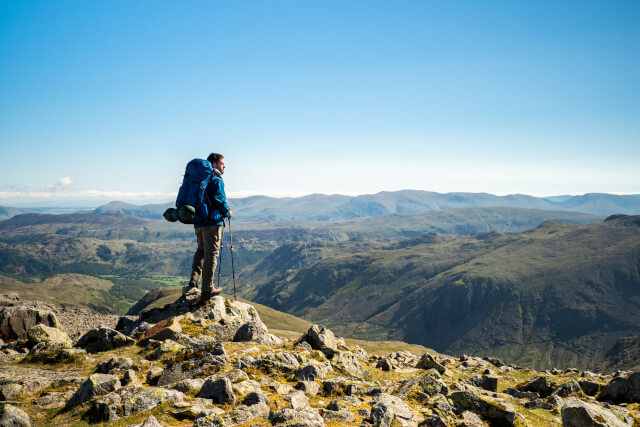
218 365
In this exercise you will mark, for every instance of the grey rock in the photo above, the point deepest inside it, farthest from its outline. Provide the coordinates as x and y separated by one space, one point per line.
12 416
590 388
434 421
115 365
15 322
278 361
428 362
151 422
310 387
130 400
187 370
497 412
313 371
622 389
103 338
386 408
297 400
384 364
220 390
576 413
191 385
320 338
256 331
50 337
567 388
10 391
487 382
130 378
95 385
541 385
340 416
421 387
210 420
348 363
245 414
334 386
297 417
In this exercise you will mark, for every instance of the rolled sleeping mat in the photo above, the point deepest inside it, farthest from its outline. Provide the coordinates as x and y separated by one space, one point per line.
171 214
186 214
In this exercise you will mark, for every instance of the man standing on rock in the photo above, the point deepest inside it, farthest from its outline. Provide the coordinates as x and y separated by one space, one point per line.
209 232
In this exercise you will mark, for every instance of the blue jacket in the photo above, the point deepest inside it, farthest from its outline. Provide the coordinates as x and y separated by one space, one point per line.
216 202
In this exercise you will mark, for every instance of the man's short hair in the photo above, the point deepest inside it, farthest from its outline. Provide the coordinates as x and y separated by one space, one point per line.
215 157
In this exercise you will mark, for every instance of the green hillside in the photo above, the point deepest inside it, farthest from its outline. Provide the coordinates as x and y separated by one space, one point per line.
560 295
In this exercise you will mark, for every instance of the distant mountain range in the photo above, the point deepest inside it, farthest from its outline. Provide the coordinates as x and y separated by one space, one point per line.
322 207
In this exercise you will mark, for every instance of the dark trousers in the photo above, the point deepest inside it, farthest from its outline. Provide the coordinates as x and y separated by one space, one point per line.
206 257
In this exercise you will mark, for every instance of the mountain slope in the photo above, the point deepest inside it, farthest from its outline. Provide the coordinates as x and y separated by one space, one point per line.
559 295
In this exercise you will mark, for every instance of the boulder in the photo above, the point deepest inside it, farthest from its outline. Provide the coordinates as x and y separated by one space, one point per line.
320 338
297 400
497 412
220 390
115 365
256 331
345 417
48 337
568 388
15 322
622 389
12 416
279 361
192 385
130 378
167 329
297 417
421 387
541 385
310 387
349 364
590 388
103 338
194 364
428 362
130 400
225 317
487 382
385 409
576 413
95 385
313 371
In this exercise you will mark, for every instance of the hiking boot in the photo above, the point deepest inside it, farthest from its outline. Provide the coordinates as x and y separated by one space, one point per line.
206 297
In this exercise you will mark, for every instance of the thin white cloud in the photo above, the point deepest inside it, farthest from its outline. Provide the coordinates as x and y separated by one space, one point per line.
86 194
63 182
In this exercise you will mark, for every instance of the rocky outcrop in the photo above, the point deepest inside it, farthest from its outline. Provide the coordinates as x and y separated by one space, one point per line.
48 337
234 374
95 385
12 416
130 400
103 338
15 322
622 389
576 413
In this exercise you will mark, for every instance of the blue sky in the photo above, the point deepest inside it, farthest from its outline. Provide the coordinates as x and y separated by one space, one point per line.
109 100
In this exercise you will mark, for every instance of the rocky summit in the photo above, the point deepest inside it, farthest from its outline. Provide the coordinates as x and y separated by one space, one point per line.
218 365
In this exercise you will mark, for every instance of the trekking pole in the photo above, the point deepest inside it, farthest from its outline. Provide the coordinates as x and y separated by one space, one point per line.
220 256
233 268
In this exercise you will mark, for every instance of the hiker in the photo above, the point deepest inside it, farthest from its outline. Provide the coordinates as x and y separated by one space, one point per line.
209 232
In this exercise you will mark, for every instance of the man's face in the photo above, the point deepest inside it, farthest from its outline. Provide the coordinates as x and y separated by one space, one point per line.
219 165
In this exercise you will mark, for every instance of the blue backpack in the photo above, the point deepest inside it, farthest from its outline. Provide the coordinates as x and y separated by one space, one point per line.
192 191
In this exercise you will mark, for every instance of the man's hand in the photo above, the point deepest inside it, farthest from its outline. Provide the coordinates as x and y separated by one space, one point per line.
230 213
